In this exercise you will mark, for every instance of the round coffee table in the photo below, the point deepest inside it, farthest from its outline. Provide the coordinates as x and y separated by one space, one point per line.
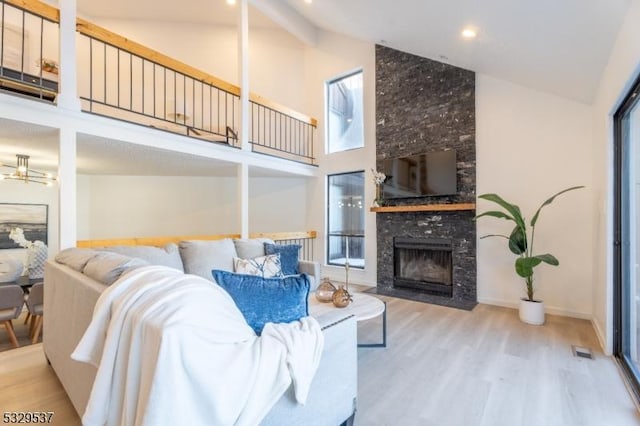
363 307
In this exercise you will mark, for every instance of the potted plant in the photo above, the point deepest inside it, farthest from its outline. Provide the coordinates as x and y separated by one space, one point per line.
520 242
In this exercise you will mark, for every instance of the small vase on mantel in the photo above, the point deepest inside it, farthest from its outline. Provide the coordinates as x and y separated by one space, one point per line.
379 201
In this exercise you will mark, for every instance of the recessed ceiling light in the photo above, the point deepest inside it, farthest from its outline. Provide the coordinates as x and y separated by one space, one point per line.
231 2
469 33
308 1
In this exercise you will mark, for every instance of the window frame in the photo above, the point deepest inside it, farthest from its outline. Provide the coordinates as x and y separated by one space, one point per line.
620 323
328 84
328 217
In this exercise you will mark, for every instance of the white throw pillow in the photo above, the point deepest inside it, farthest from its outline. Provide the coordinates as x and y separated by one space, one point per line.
264 266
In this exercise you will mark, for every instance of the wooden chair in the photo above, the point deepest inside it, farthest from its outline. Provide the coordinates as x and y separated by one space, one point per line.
11 301
35 302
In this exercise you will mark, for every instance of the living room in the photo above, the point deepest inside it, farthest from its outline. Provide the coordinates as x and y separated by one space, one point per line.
561 135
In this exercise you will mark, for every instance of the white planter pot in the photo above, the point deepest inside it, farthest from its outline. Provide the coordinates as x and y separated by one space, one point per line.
532 312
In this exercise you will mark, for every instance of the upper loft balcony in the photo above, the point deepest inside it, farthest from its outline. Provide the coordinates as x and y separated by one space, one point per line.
124 80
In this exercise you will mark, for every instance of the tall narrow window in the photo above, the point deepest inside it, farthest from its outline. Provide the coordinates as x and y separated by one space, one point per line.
344 113
346 219
627 237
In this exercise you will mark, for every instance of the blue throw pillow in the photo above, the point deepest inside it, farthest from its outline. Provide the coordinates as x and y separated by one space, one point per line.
263 300
288 256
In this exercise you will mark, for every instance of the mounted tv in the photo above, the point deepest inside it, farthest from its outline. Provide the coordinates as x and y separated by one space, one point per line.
432 173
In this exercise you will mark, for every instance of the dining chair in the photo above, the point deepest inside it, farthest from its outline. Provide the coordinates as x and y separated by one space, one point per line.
11 301
35 303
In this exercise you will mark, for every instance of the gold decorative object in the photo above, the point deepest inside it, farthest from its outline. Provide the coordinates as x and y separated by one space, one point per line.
341 298
324 292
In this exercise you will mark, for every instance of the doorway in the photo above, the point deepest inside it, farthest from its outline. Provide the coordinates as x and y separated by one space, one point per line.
627 237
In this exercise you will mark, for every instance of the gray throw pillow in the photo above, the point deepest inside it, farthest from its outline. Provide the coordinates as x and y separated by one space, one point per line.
168 255
75 258
106 267
201 257
251 248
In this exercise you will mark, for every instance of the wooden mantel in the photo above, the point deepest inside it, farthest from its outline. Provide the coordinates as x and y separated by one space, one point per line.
425 208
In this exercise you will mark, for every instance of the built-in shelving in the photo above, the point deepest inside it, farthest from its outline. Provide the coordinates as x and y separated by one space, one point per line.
425 208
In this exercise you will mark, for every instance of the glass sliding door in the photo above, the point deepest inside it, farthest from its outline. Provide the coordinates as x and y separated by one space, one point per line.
627 237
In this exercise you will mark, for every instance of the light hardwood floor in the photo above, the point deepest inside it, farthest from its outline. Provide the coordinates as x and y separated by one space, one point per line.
450 367
442 367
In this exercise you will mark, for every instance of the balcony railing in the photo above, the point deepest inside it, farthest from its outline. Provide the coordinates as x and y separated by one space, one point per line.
121 79
304 238
274 132
29 50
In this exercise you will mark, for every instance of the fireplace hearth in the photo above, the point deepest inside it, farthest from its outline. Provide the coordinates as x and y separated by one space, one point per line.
423 264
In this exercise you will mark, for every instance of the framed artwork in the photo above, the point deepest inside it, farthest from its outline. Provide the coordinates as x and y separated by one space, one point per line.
31 218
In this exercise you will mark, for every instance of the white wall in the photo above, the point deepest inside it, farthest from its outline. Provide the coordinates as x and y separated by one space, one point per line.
143 206
333 56
531 145
278 204
621 70
130 206
21 193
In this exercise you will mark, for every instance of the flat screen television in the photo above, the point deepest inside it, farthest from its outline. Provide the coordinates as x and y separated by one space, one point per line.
432 173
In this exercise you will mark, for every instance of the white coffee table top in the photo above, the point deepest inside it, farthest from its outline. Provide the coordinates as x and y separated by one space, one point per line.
363 307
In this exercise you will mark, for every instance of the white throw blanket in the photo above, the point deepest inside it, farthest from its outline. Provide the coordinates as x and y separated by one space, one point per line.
173 348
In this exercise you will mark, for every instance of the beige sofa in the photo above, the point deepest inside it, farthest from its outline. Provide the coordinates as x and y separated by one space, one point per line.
70 296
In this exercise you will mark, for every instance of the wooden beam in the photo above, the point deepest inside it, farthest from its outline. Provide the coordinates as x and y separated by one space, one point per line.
425 208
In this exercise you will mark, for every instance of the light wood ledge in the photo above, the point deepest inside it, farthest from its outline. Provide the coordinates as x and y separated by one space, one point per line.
163 241
37 8
425 208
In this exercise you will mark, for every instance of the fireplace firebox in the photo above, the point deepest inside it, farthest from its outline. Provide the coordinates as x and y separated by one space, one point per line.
424 264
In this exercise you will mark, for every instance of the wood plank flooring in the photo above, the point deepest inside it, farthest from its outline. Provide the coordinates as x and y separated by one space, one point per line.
442 366
450 367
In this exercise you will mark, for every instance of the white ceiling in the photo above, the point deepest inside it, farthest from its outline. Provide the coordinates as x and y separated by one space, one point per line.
557 46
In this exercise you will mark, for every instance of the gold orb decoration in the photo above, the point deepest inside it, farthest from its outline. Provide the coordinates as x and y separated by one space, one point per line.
341 298
324 292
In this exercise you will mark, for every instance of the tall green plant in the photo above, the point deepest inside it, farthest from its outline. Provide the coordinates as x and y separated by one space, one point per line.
520 243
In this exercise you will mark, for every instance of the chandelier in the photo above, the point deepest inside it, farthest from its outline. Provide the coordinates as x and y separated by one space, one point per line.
24 173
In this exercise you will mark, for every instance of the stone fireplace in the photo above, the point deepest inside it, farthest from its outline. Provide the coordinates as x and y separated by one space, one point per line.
427 247
423 264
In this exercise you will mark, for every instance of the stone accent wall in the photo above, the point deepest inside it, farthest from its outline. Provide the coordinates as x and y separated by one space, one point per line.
422 106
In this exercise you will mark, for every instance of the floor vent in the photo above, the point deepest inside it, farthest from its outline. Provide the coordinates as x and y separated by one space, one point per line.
581 352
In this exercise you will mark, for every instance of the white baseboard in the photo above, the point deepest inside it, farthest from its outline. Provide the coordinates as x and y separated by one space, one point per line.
548 309
600 336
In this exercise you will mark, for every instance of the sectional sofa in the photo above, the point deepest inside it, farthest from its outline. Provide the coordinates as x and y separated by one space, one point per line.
75 280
